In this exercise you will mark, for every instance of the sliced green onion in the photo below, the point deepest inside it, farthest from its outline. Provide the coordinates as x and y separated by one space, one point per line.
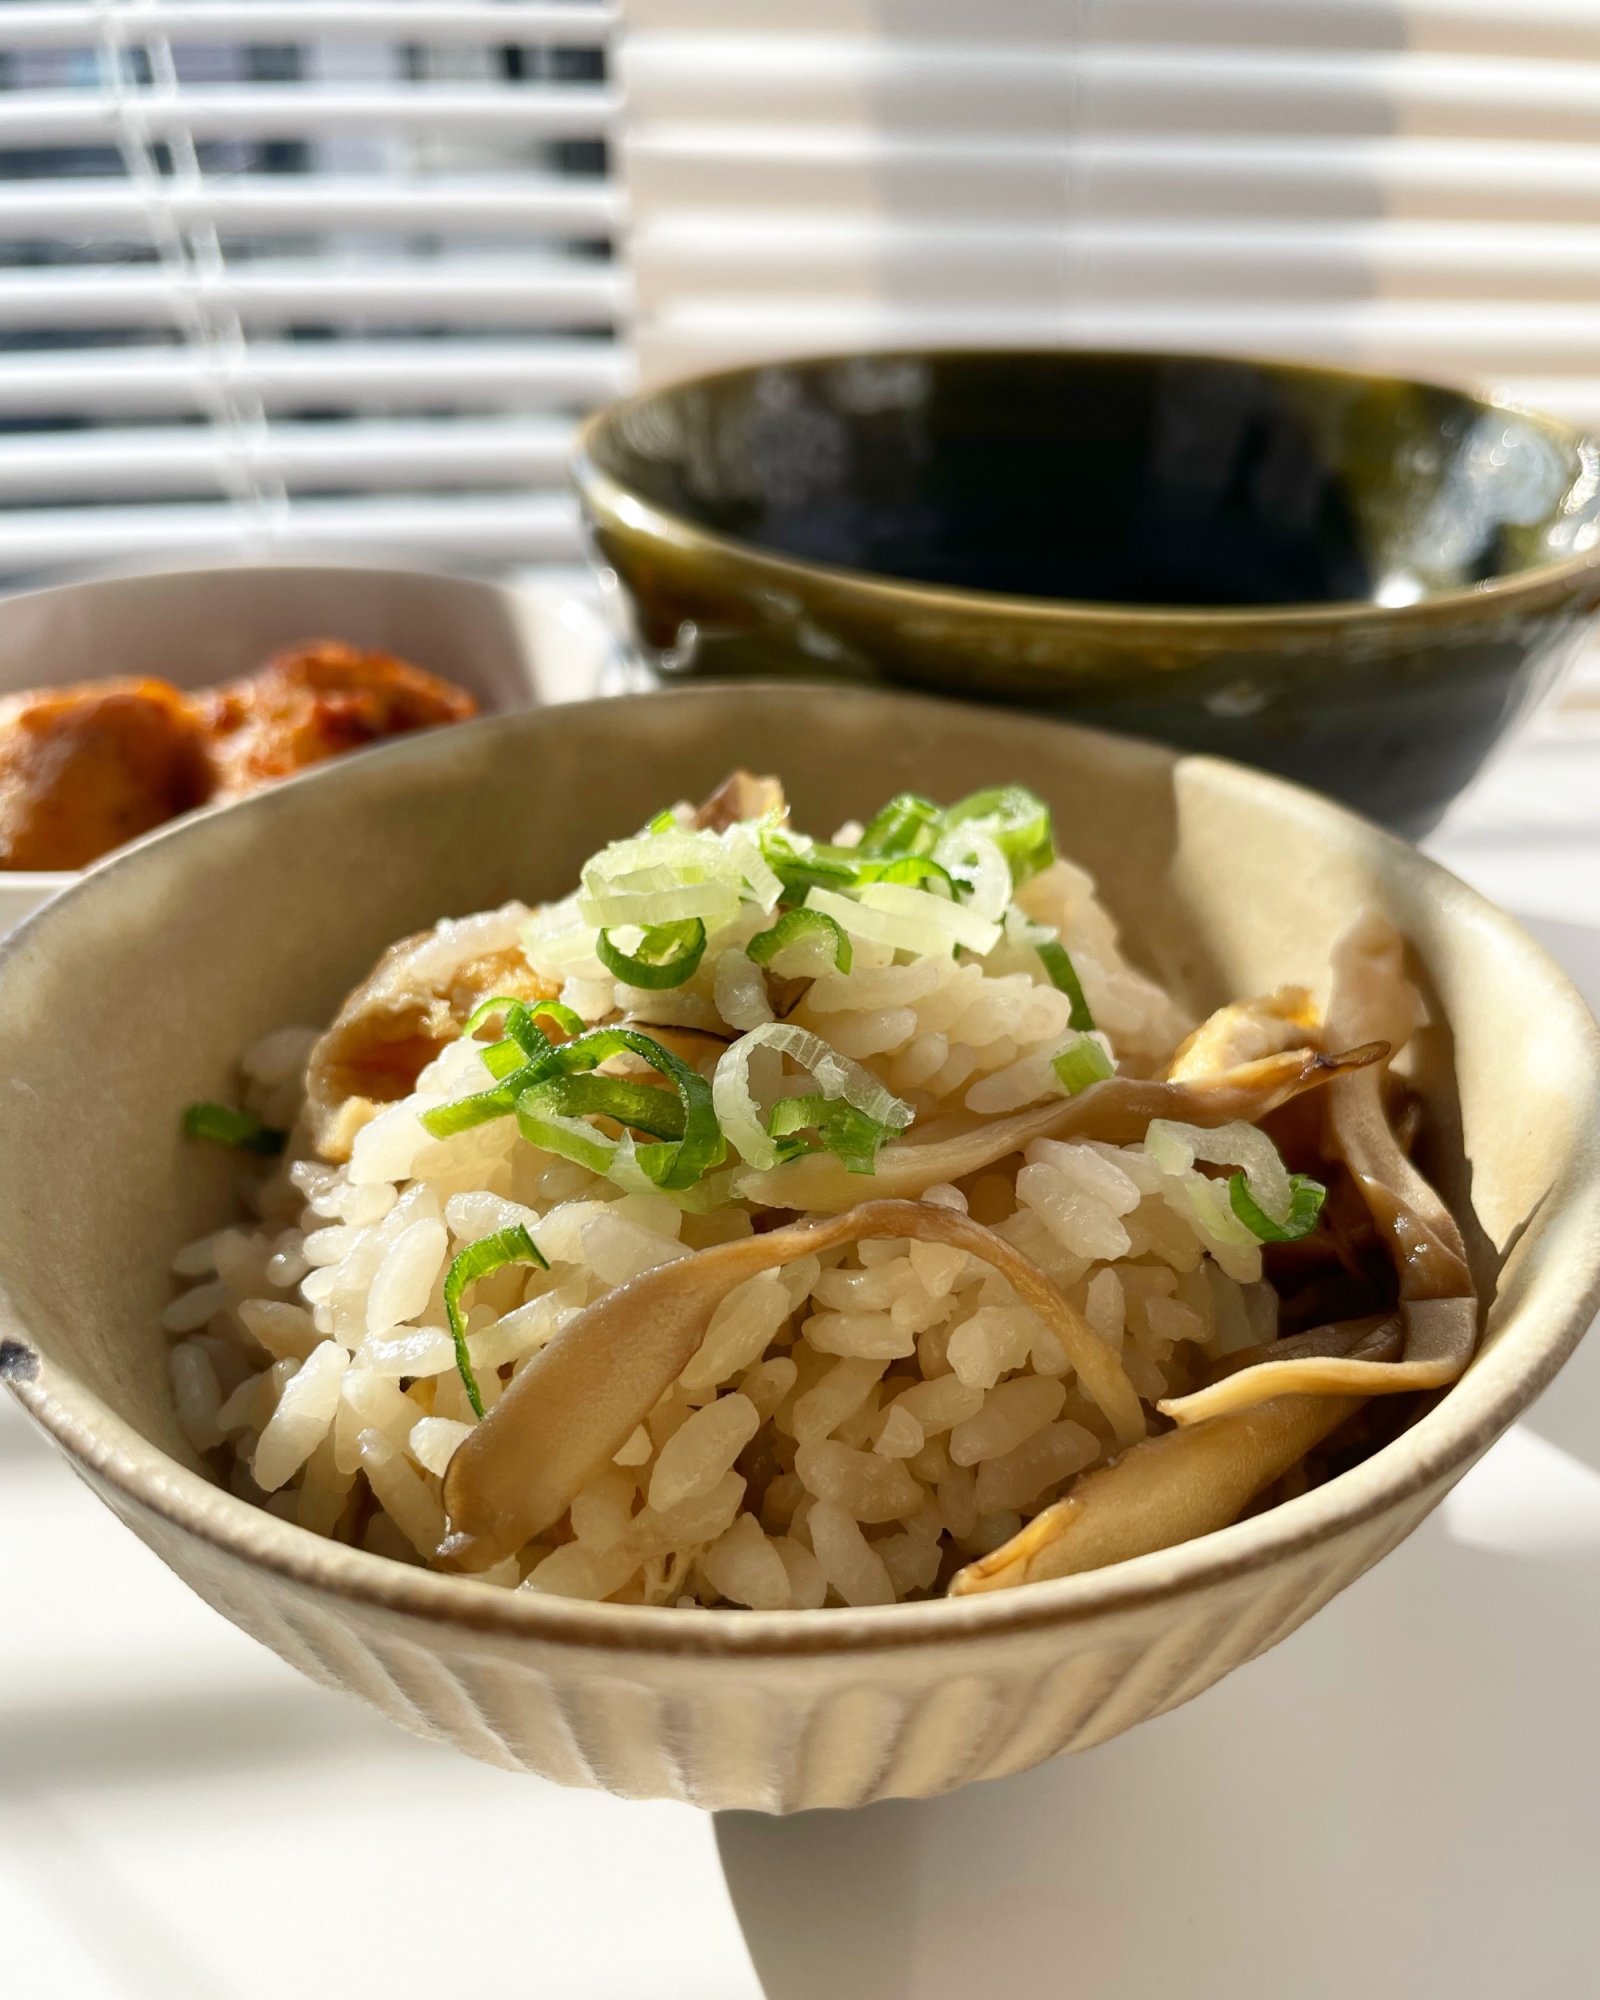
664 822
478 1260
674 1165
743 843
1064 976
516 1011
1082 1062
232 1128
1305 1205
1175 1147
575 1139
639 1106
908 824
444 1121
912 869
847 1133
1016 820
662 878
503 1058
796 927
517 1061
920 932
668 954
802 868
920 909
801 864
977 868
836 1076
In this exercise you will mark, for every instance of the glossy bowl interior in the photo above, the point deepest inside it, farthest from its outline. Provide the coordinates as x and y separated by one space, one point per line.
170 958
1108 479
1352 579
195 627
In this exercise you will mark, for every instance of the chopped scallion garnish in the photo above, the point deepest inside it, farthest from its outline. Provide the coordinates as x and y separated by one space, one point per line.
502 1058
1082 1062
800 864
521 1012
642 1107
1016 821
483 1106
673 1165
517 1061
837 1077
227 1127
1306 1197
668 954
898 844
846 1132
478 1260
795 927
1063 975
908 824
913 869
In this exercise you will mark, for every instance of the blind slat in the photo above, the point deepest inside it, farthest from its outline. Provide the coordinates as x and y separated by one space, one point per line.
730 257
105 464
305 202
440 290
1235 23
1451 336
472 528
499 22
356 373
931 88
728 167
277 111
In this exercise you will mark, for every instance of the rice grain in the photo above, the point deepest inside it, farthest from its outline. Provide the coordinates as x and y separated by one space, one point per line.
847 1559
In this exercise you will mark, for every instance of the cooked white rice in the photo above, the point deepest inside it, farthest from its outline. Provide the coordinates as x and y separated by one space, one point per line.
854 1426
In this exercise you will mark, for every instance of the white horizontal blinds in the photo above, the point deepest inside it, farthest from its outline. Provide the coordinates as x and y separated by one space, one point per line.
301 275
1414 186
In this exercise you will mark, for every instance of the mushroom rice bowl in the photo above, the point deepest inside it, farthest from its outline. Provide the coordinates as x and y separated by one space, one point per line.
777 1223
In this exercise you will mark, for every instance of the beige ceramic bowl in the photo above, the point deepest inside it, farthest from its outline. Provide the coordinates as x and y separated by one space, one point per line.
132 993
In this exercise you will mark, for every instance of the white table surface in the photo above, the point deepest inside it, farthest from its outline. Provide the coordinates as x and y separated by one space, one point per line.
1400 1802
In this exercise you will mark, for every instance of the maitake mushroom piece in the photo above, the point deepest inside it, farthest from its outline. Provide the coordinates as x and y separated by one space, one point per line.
1245 1031
579 1399
1242 1433
1167 1489
1117 1111
1373 998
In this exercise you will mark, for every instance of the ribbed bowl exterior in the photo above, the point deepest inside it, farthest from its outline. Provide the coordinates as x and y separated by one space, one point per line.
776 1735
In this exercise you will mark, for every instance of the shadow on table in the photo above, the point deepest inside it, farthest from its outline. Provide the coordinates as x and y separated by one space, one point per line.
1399 1802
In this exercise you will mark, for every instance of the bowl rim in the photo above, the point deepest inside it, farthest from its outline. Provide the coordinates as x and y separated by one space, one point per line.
601 490
41 881
170 568
1499 1384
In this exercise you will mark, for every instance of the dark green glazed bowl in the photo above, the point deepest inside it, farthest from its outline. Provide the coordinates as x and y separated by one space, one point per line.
1358 582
